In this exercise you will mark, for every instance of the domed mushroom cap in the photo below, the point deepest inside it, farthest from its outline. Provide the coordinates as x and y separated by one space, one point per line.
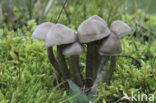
110 45
120 28
73 49
92 29
98 18
41 31
60 34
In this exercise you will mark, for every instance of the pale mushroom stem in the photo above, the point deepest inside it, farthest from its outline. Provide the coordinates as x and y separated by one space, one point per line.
100 74
111 69
76 72
64 69
53 60
92 63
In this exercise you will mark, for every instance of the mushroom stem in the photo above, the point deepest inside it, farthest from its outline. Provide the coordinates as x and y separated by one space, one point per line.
92 63
76 72
65 72
53 60
111 69
100 74
96 60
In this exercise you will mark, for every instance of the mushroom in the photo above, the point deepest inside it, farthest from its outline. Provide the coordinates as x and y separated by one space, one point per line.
67 44
110 47
91 31
60 35
40 33
121 29
74 50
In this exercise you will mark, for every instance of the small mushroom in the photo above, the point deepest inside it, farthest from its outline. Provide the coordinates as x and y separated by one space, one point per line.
66 40
60 35
120 28
110 47
73 49
40 33
91 31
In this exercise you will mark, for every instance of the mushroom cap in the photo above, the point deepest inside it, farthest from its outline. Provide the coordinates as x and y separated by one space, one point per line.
110 45
120 28
92 29
60 34
41 31
73 49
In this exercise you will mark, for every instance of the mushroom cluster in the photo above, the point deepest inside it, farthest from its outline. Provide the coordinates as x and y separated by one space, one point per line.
102 44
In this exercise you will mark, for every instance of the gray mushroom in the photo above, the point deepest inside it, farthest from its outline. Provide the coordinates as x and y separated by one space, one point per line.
110 47
66 41
60 35
120 29
91 31
73 50
40 33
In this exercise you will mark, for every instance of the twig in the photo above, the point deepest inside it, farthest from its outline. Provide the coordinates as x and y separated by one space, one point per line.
10 8
67 13
57 86
60 13
84 12
137 62
37 8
